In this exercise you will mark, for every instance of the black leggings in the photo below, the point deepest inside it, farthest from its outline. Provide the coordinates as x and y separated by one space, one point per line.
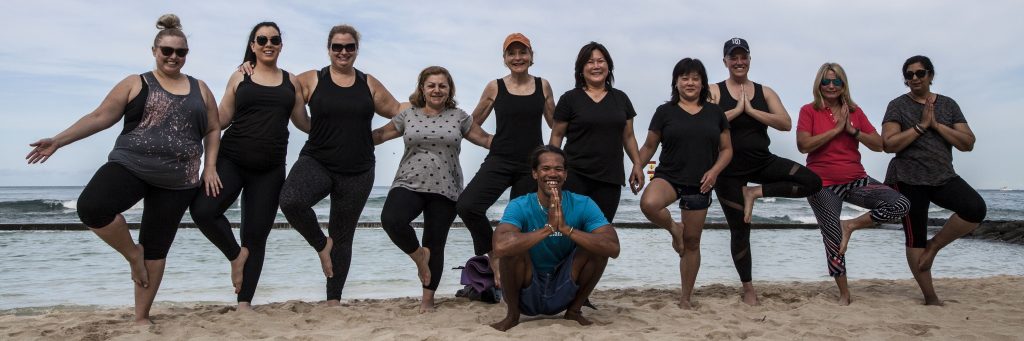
956 195
307 184
259 208
114 189
401 207
494 177
606 195
780 177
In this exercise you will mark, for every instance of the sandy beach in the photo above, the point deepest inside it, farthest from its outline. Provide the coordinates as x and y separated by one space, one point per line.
989 308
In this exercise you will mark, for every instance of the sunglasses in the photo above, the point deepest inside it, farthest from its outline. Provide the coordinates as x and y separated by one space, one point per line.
262 40
919 73
347 47
168 51
835 81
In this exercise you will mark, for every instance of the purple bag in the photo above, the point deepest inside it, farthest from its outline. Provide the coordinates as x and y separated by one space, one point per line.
478 278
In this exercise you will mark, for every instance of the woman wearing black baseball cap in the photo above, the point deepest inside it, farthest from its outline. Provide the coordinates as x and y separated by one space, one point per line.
751 108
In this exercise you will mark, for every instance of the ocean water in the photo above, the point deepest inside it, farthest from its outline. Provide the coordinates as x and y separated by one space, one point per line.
51 268
42 205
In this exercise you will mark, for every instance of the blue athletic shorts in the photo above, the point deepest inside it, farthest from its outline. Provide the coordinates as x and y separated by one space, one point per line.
551 293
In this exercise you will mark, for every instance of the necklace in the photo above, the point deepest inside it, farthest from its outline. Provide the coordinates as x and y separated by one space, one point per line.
542 208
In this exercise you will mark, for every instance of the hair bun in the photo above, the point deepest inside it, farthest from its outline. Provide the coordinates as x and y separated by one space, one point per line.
168 21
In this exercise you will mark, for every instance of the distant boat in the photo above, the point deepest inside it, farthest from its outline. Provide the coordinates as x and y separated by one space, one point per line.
1006 188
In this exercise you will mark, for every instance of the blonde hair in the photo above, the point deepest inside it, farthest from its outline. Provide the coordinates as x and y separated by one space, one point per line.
819 101
169 25
417 98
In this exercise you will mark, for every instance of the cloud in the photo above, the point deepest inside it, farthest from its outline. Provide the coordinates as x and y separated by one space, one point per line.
63 57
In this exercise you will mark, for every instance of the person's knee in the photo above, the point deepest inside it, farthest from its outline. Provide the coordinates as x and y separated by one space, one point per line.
390 222
203 214
290 204
691 242
649 206
153 251
93 214
900 207
812 182
973 211
465 209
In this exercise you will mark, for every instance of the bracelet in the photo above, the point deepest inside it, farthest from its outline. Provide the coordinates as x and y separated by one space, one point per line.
918 129
550 227
856 131
570 231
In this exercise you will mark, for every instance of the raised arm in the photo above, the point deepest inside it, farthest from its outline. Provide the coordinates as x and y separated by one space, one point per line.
383 102
486 103
211 143
776 116
299 117
104 116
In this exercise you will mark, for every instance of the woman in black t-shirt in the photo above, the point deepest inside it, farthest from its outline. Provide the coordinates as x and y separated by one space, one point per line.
255 110
597 120
695 133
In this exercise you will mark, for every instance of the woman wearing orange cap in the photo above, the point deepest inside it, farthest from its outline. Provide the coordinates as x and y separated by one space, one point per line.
519 101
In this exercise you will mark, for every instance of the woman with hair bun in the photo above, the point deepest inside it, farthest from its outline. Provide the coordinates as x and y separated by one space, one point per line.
255 110
169 117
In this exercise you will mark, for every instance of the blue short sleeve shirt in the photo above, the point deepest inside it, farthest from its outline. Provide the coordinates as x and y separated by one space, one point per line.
526 213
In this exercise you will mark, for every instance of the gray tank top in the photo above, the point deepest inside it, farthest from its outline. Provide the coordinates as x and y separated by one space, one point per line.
165 147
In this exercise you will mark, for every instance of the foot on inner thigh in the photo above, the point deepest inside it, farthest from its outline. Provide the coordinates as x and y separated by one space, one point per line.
325 258
750 194
237 267
422 258
676 230
924 264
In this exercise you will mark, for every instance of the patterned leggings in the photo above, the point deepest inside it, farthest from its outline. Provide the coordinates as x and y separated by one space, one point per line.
885 203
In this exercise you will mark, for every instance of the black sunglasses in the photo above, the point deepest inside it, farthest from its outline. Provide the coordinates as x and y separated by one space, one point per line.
919 73
835 81
167 51
347 47
262 40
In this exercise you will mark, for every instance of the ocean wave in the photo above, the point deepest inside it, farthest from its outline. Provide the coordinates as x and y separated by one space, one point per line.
38 205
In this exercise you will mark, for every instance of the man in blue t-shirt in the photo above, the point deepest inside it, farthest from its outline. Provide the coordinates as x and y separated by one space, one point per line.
552 245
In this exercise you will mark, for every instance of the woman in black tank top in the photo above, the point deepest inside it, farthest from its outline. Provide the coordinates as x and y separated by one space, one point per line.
520 102
255 110
165 116
751 108
337 159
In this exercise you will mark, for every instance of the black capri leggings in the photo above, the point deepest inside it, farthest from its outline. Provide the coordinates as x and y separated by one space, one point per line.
259 208
494 177
956 195
606 195
401 207
780 177
114 189
307 184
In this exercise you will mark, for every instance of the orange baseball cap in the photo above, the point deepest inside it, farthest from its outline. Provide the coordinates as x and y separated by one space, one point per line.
516 38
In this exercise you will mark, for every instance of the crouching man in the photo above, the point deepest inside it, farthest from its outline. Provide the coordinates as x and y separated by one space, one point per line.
552 245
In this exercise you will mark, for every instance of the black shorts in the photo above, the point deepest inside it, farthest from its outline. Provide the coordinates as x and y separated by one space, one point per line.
690 197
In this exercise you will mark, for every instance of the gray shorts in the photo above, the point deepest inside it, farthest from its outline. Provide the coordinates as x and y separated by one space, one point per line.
550 293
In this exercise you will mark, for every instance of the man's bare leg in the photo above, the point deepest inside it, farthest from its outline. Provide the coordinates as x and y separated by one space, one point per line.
516 272
587 269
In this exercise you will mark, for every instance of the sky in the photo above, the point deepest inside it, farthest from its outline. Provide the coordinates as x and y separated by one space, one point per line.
60 58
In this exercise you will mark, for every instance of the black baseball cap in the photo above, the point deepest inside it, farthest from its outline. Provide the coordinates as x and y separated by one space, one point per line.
735 43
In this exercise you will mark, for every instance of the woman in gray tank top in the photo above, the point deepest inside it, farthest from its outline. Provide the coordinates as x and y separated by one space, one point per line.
169 118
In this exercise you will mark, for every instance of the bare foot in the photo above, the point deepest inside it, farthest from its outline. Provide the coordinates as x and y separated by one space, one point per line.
750 296
237 266
844 300
687 305
325 258
676 230
421 257
506 324
924 264
143 322
427 303
333 303
578 317
934 300
138 264
749 196
244 306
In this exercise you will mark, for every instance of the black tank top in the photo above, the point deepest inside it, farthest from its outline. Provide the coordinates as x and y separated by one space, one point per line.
518 123
258 135
749 136
340 133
